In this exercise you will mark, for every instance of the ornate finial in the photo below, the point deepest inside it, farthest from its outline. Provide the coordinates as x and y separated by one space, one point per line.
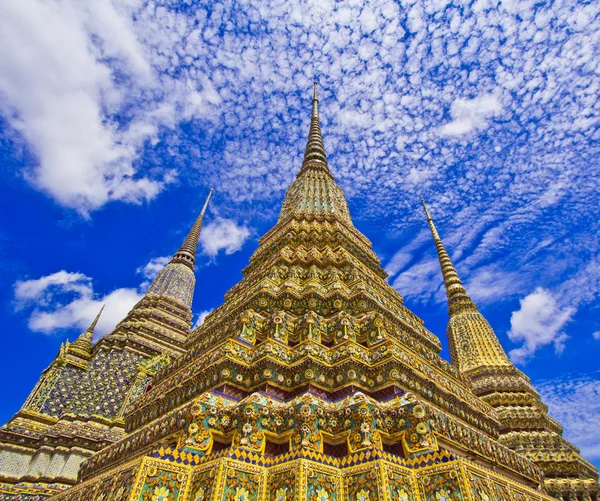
434 232
187 252
95 322
458 300
314 154
426 210
82 346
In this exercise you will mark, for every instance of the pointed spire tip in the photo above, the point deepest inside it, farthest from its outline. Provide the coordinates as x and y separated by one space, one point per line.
204 207
426 210
187 252
95 321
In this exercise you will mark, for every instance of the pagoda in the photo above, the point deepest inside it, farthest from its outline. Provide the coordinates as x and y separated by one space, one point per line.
77 406
313 381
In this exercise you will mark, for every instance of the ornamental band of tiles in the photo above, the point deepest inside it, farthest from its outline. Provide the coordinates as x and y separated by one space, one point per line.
312 381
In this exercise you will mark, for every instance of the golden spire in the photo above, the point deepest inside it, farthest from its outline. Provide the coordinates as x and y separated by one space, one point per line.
187 252
472 341
314 154
83 344
458 300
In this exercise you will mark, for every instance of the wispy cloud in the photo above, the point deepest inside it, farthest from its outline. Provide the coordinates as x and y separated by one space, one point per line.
488 284
419 280
575 403
68 90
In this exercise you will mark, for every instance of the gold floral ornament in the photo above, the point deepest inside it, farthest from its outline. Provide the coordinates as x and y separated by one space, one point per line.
401 495
200 494
281 494
160 494
305 411
419 411
362 495
443 495
241 494
322 495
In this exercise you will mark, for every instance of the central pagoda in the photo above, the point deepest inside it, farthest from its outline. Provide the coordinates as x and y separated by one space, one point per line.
312 381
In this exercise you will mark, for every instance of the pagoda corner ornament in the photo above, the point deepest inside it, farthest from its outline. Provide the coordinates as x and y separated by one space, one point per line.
312 381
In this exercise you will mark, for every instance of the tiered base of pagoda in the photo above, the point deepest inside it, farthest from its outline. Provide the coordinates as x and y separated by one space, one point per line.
240 475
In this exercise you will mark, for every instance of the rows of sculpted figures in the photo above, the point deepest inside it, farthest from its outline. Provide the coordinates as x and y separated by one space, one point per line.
312 381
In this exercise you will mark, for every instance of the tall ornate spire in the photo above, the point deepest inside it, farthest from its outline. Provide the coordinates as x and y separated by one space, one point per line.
472 341
162 318
314 154
187 252
458 299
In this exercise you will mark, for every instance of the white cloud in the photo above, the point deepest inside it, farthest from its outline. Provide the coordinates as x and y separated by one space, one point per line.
201 317
470 114
42 289
52 89
152 267
575 403
537 323
596 335
68 76
66 300
223 234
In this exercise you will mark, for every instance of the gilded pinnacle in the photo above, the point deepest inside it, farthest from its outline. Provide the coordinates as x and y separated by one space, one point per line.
471 339
92 326
187 252
314 155
84 341
458 300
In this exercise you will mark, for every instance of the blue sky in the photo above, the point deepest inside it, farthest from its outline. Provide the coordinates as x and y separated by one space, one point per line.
117 117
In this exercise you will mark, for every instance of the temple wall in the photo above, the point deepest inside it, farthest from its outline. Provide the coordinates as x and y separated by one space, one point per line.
44 463
14 462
